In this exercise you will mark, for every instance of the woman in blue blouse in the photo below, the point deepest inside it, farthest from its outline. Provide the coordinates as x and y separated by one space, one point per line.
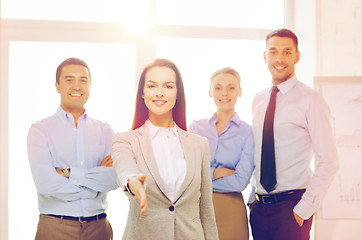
232 152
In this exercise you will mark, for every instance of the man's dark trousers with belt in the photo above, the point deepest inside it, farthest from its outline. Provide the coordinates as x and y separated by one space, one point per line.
272 218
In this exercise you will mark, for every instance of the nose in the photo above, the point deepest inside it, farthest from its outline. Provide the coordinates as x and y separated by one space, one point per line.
224 92
159 92
279 57
76 85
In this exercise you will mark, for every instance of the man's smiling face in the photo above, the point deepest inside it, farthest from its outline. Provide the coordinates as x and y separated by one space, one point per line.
281 56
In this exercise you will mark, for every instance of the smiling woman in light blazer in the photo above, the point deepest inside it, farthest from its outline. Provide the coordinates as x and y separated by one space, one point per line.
173 163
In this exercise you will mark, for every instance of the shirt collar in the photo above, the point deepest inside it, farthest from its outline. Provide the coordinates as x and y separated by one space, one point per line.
65 115
235 119
285 86
154 130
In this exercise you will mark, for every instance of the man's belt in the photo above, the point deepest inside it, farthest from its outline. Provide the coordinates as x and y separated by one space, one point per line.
81 219
279 197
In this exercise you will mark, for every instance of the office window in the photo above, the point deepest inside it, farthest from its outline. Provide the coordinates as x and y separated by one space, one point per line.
69 10
262 14
32 97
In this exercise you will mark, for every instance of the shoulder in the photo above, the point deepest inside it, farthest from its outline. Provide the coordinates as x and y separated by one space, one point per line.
245 127
309 94
305 89
99 126
45 122
242 127
98 122
260 96
124 136
192 137
201 123
200 127
262 93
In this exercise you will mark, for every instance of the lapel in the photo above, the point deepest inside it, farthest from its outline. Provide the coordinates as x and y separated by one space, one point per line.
149 156
150 161
188 149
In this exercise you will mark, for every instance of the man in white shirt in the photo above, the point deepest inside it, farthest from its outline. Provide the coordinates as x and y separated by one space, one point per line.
291 193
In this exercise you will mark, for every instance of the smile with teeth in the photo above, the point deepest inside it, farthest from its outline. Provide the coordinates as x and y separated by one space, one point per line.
279 68
76 94
224 100
159 102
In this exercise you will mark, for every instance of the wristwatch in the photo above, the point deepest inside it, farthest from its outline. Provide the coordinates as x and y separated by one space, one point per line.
66 172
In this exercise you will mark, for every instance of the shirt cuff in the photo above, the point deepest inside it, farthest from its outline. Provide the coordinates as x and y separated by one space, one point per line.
304 210
125 186
77 176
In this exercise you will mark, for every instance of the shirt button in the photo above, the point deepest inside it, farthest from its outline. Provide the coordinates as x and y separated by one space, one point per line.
171 208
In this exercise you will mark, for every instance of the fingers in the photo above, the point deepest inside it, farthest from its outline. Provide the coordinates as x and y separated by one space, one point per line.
107 162
137 186
142 178
298 219
143 202
142 197
60 172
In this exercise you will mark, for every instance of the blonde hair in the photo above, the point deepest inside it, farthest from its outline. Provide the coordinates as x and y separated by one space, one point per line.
226 70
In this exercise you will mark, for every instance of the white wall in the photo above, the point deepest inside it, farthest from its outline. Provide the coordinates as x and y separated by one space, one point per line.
339 37
339 53
331 31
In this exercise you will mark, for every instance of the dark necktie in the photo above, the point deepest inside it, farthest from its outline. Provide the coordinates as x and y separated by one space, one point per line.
267 173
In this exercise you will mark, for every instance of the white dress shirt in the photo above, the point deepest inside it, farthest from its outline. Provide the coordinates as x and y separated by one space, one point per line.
55 142
169 157
302 127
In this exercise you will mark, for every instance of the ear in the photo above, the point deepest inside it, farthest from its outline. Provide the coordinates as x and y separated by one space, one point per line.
210 94
57 87
264 56
297 57
241 92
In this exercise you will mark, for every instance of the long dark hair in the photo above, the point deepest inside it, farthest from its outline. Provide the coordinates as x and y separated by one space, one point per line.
178 111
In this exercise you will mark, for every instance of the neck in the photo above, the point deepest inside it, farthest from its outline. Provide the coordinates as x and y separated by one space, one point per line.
162 121
276 82
224 116
75 112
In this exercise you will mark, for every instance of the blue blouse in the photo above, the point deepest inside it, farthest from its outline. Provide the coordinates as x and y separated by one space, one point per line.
233 149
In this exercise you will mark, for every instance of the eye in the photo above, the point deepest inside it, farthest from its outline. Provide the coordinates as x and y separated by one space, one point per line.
169 86
151 86
217 88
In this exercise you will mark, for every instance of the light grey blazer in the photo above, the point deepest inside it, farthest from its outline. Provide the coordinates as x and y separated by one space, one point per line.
191 216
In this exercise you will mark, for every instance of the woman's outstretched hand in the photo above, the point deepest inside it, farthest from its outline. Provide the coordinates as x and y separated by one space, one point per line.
137 187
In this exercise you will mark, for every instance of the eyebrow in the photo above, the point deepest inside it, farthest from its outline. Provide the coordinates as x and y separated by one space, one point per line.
70 76
283 48
229 84
157 82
